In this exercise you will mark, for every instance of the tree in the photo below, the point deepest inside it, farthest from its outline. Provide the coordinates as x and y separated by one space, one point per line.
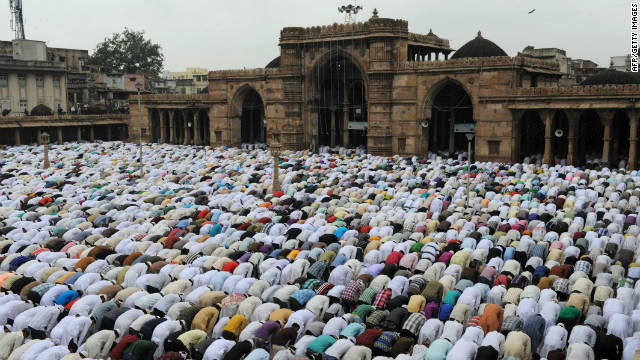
128 52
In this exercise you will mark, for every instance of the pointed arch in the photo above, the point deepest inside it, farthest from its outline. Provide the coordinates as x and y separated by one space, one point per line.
248 116
338 94
447 102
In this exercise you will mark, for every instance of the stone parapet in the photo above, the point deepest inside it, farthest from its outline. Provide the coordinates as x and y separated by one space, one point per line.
243 73
171 97
620 90
373 25
63 120
481 61
429 39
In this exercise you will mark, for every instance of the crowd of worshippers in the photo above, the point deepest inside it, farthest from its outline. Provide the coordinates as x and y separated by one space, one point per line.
358 257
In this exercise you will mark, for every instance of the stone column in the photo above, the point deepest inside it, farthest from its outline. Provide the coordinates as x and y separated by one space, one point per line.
172 130
16 136
59 130
548 136
516 130
333 126
573 117
452 135
186 128
437 55
196 128
436 137
633 138
109 136
79 133
345 119
429 55
163 133
250 127
92 134
39 135
606 117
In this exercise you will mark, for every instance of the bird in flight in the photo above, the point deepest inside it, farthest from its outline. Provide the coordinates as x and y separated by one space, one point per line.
531 12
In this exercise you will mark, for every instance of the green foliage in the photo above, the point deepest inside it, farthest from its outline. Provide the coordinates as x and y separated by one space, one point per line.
128 52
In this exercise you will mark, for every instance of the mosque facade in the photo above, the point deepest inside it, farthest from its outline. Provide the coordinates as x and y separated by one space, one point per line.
375 84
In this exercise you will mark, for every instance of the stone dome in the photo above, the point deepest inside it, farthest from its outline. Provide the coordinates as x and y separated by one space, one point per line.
275 63
612 77
478 47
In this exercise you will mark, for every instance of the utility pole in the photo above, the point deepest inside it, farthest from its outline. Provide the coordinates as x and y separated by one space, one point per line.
45 138
139 87
469 139
275 152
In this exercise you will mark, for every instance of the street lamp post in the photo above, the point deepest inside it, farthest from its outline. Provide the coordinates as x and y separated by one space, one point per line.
45 138
469 139
139 87
275 152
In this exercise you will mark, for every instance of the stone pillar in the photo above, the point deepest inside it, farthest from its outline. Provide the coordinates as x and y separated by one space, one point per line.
16 137
92 134
516 130
548 136
633 138
196 128
429 56
452 135
446 56
573 117
437 56
59 135
186 128
163 132
39 137
250 127
436 137
333 126
109 136
79 133
345 119
606 118
172 130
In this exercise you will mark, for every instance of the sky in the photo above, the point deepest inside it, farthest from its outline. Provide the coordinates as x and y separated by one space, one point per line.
222 34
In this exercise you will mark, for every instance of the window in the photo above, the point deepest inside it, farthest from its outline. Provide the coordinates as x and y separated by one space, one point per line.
63 58
56 82
4 80
23 105
22 81
40 81
402 143
494 147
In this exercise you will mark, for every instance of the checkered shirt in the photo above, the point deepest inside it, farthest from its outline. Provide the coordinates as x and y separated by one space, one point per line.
512 323
368 295
414 323
311 284
352 290
583 266
380 302
363 310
